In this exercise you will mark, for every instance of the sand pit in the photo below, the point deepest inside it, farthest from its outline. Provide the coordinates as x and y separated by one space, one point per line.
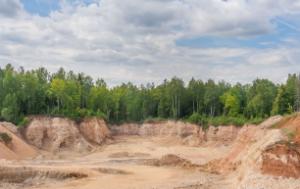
133 162
228 158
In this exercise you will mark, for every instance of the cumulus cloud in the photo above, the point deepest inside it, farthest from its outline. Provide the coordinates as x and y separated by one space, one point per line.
10 8
135 40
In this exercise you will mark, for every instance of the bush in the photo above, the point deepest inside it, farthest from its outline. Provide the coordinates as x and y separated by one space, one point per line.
100 114
24 121
289 133
6 138
154 120
226 120
195 118
198 119
256 120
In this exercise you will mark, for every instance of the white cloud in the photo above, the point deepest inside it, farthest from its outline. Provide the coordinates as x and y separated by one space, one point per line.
134 40
10 8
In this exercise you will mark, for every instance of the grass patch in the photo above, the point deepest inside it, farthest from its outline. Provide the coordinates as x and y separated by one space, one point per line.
205 121
6 138
289 133
24 122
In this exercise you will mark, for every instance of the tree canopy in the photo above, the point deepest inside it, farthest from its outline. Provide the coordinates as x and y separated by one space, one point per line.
64 93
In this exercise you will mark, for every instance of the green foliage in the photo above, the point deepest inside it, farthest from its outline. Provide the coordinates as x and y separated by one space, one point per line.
197 119
24 121
226 120
289 133
24 93
6 138
256 120
154 120
260 98
10 108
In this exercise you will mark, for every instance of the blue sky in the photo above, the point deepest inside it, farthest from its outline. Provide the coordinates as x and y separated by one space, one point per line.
283 30
45 7
149 40
41 7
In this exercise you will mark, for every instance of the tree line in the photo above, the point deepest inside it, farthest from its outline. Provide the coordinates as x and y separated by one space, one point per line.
37 92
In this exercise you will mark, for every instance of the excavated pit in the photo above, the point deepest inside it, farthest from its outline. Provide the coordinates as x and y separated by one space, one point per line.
162 155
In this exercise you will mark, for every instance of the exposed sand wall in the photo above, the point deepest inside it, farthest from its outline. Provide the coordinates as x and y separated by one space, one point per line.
57 134
282 159
17 149
94 130
187 133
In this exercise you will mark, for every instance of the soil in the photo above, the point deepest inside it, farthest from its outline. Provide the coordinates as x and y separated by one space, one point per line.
282 159
17 148
155 156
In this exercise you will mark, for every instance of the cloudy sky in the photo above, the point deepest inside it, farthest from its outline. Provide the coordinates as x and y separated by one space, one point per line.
149 40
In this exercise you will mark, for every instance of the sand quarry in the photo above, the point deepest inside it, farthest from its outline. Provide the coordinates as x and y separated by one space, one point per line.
56 153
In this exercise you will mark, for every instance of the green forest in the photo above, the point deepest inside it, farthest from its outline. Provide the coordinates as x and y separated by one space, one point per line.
38 92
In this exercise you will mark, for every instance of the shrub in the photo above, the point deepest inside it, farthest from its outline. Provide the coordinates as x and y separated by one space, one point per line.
154 120
6 138
195 118
289 133
226 120
198 119
101 115
256 120
24 121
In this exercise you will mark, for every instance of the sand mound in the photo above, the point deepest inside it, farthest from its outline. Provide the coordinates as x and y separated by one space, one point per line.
6 152
11 127
55 134
111 171
20 174
172 161
17 148
282 159
94 130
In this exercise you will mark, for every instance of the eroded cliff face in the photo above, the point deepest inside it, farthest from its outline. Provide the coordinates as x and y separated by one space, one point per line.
95 130
56 134
247 155
189 134
282 159
224 135
169 128
185 133
125 129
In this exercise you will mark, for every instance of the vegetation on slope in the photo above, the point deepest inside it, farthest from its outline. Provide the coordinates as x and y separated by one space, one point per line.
73 95
4 137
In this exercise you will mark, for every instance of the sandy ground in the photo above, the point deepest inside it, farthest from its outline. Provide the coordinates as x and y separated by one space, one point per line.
118 166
